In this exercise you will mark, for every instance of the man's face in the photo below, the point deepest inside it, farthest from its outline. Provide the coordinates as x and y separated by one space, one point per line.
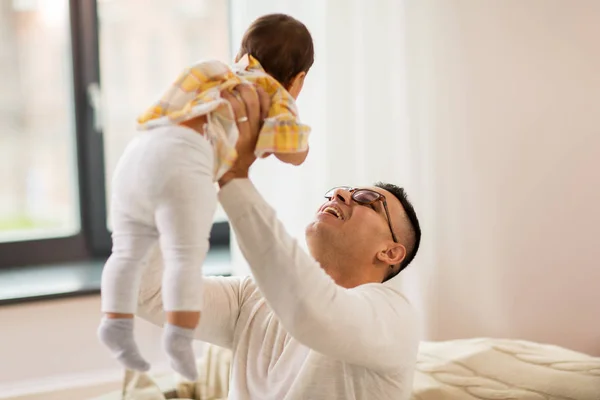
351 230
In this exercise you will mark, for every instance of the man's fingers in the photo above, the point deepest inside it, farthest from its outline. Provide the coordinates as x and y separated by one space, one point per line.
249 101
264 101
249 97
239 110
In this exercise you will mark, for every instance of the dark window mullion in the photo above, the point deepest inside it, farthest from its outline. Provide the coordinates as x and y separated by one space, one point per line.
90 144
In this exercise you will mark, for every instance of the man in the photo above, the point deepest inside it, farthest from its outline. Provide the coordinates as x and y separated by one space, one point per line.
329 325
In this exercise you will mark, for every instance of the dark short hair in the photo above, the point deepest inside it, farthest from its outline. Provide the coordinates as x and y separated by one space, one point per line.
414 228
282 45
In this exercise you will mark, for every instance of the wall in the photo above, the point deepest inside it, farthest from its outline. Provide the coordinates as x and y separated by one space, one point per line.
505 98
52 345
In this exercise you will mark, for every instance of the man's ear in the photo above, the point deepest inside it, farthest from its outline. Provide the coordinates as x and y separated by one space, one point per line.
393 254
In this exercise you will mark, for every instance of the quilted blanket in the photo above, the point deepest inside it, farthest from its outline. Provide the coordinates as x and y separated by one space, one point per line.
473 369
504 369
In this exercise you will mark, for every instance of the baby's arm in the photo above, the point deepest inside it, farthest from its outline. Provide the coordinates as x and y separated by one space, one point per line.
282 134
292 158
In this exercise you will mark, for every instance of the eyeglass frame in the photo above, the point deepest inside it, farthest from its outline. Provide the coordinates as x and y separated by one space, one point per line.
380 197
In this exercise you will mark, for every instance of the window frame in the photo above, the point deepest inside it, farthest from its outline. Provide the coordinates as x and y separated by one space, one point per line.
93 241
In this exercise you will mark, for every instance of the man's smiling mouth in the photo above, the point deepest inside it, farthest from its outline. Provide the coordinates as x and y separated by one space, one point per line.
333 211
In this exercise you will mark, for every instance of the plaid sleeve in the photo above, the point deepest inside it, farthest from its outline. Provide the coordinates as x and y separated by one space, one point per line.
282 131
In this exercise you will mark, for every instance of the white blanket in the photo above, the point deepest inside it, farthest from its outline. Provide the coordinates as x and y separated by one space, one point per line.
504 369
482 369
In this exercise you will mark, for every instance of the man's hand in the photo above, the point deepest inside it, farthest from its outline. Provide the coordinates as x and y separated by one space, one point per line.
250 105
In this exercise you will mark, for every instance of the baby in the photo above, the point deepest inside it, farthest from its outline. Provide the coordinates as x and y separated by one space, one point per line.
164 184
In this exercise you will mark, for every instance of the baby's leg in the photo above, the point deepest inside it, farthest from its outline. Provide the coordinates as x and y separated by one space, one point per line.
184 220
132 243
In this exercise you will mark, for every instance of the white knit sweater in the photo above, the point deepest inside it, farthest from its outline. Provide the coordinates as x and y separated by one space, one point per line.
294 333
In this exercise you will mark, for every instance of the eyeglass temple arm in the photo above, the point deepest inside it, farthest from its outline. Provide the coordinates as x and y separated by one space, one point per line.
387 212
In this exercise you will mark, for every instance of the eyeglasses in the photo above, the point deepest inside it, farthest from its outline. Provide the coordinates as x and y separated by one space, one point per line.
365 197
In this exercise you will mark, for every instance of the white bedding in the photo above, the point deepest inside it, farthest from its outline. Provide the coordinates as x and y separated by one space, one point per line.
482 369
504 369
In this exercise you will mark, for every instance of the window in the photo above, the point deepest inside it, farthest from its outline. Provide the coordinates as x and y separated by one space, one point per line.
38 195
144 45
74 76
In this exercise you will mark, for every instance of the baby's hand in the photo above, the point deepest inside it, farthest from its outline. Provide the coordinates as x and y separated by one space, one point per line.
292 158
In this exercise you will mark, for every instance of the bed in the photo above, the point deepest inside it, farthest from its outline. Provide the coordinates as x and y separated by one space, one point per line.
470 369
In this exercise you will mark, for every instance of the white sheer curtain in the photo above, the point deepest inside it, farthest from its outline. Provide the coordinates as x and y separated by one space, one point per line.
354 99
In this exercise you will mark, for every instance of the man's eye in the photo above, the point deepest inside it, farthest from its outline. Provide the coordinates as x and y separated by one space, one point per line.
373 207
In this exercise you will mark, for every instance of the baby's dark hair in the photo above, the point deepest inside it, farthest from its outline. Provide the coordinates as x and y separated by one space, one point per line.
282 45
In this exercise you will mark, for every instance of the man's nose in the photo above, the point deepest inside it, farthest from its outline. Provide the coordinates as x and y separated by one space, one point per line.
342 195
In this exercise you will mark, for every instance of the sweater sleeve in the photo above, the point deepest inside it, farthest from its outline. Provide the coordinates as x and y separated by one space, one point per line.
372 325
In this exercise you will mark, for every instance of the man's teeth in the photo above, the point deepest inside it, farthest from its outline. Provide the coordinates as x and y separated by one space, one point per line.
332 211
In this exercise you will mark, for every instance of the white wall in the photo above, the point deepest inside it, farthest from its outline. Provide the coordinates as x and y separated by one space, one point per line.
505 101
53 345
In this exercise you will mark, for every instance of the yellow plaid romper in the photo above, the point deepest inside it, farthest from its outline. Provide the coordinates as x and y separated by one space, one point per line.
197 92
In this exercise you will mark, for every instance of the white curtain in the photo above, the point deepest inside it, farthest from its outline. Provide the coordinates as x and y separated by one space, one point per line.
354 99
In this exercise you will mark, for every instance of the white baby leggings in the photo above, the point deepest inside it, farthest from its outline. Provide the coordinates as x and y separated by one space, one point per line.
163 192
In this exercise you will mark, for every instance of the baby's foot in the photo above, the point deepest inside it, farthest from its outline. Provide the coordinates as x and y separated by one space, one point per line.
117 335
178 345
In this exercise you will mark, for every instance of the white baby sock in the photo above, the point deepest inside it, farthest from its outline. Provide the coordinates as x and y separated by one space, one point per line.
178 346
117 335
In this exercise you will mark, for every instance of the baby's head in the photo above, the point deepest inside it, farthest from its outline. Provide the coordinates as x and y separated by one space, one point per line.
284 48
